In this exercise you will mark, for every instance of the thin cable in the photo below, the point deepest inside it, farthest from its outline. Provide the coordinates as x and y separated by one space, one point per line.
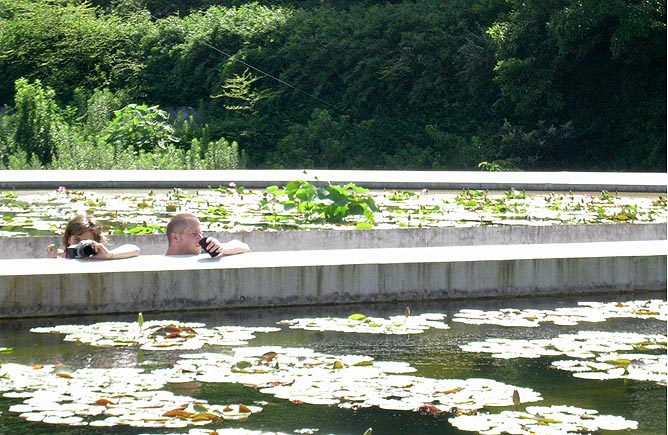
283 82
231 57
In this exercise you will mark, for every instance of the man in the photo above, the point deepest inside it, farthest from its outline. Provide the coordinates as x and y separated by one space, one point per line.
184 234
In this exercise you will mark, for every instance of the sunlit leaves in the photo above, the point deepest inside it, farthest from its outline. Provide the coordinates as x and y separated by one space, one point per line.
539 420
350 381
617 353
329 204
640 367
108 397
155 335
585 312
360 323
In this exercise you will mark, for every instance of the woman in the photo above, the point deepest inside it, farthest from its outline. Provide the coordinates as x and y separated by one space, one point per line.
88 230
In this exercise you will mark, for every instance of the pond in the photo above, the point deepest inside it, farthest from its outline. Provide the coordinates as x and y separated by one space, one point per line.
301 205
438 352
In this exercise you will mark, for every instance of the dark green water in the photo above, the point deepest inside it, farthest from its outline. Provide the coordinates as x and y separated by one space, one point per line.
435 354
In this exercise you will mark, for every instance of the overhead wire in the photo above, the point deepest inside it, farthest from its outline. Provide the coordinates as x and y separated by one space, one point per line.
266 74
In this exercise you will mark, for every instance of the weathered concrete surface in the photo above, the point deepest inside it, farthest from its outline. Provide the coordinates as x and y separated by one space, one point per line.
261 241
42 287
433 180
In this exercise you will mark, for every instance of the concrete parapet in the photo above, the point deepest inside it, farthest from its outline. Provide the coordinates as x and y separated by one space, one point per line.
47 287
433 180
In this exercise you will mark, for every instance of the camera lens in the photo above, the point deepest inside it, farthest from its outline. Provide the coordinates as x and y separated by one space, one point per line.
86 250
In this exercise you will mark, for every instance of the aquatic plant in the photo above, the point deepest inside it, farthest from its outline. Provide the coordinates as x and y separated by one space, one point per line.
537 420
359 323
304 205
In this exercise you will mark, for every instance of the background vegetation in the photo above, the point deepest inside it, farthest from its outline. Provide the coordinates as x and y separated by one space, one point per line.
354 84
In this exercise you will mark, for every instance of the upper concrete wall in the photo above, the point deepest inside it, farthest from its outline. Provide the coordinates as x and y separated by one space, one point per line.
43 287
433 180
262 241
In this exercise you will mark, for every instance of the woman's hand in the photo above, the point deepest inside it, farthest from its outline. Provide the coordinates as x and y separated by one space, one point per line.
101 252
52 252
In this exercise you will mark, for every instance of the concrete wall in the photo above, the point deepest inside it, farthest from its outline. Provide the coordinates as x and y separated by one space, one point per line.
262 241
335 267
42 287
433 180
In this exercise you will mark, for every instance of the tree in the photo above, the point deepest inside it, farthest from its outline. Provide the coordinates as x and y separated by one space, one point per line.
39 124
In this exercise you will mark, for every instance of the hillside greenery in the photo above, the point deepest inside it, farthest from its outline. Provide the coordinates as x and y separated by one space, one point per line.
340 84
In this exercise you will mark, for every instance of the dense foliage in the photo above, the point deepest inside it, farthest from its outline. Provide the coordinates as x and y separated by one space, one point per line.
423 84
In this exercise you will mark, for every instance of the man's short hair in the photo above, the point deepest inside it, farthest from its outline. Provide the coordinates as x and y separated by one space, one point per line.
178 223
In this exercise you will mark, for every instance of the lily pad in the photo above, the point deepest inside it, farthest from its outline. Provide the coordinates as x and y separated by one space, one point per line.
155 335
604 347
359 323
566 316
553 420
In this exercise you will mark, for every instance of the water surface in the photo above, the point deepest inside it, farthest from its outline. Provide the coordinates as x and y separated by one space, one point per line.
434 354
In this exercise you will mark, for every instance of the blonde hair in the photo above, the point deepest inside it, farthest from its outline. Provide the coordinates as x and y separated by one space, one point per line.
79 225
178 223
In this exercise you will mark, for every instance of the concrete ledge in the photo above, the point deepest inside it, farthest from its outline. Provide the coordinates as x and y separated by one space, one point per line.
47 287
261 241
433 180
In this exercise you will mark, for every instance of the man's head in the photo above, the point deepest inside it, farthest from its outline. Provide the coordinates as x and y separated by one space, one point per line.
183 235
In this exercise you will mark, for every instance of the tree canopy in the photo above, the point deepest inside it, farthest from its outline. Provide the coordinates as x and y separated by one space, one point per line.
421 84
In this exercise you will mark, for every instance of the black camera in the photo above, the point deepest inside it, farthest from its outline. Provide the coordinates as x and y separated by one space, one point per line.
82 249
203 243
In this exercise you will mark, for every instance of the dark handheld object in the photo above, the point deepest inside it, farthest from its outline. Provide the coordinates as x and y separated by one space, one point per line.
203 244
82 249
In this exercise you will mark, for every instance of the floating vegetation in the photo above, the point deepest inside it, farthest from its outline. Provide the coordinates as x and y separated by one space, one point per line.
567 316
148 397
303 205
107 397
122 396
143 397
640 367
227 431
302 375
155 335
539 420
359 323
601 346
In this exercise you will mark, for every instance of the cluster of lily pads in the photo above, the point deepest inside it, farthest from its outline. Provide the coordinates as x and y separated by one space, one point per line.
302 205
608 349
360 323
107 397
302 375
155 335
567 316
139 397
542 420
